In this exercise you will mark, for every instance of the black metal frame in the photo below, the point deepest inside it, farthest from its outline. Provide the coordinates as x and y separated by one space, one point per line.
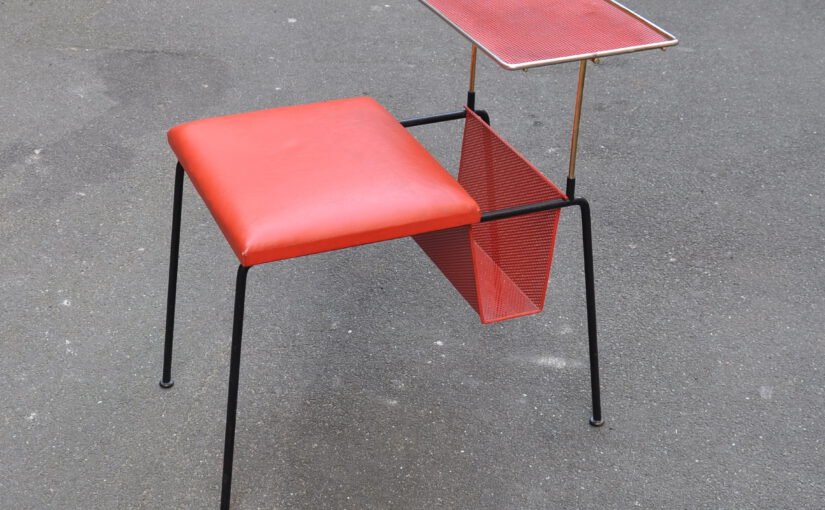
237 335
589 282
443 117
240 293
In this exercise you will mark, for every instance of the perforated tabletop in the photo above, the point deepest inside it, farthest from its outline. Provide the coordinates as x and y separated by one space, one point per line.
519 34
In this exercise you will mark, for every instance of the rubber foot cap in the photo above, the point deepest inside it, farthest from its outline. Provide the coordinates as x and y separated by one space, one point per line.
596 423
167 385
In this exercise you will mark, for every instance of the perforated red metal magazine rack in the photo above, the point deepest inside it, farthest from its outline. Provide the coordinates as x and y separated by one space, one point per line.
500 267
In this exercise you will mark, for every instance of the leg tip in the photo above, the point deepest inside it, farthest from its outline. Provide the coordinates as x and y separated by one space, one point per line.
596 423
167 384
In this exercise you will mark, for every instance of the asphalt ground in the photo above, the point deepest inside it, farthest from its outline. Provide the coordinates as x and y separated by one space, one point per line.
366 382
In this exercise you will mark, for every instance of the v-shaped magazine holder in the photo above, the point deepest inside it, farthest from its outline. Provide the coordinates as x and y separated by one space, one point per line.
500 267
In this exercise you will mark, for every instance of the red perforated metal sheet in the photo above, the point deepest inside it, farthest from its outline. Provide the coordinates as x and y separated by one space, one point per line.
452 252
527 33
500 267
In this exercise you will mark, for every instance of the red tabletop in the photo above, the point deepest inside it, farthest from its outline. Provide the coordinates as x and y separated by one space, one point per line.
520 34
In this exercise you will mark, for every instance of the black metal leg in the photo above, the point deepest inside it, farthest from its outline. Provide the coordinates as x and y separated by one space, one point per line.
166 381
571 189
589 278
232 399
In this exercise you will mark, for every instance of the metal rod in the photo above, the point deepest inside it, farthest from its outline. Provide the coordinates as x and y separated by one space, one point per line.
232 397
590 289
471 100
473 53
166 380
432 119
571 188
471 91
528 209
574 145
442 117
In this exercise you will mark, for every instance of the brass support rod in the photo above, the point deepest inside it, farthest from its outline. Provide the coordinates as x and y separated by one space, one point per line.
473 69
576 120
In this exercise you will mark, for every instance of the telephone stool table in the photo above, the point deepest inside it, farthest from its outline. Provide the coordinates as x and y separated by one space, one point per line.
299 180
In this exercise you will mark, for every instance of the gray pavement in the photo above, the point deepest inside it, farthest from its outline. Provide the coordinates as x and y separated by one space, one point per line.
367 383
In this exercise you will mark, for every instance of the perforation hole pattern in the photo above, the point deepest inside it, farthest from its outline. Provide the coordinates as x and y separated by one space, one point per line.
500 267
522 31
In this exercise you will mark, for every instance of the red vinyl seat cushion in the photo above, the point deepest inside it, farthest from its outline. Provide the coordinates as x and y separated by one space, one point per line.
304 179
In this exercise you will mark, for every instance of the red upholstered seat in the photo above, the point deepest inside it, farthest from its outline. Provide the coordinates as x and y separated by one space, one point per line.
305 179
